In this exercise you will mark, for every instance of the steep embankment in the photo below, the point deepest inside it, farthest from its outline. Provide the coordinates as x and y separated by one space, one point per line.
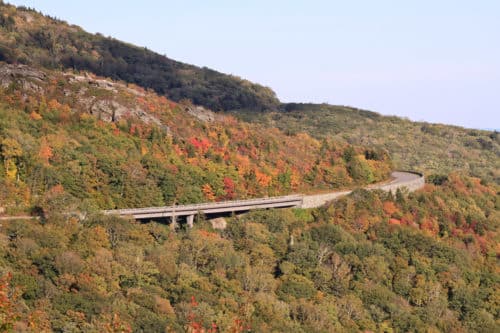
434 149
28 37
69 140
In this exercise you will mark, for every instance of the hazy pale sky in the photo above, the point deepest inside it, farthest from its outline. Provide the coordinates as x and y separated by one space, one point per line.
437 61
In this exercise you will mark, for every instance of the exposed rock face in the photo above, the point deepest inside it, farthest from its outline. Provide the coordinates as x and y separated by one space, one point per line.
105 99
202 114
219 223
96 96
112 111
30 79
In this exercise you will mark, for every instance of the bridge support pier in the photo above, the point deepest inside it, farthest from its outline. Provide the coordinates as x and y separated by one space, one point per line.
173 224
190 220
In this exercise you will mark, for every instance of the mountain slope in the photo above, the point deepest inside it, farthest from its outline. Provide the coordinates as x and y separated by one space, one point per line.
28 37
425 262
110 145
434 149
71 141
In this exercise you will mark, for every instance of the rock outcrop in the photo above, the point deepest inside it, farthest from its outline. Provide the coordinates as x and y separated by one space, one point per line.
97 96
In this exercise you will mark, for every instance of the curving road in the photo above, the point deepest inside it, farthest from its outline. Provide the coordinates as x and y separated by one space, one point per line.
412 181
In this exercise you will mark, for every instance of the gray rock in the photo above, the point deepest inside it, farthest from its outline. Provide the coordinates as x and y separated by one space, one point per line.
219 223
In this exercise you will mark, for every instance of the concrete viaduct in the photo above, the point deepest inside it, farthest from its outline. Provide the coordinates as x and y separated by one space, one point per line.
400 179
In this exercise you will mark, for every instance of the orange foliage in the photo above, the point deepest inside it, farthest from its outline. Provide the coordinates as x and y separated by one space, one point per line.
243 163
56 190
208 234
361 224
208 192
53 104
35 116
430 226
262 179
389 208
394 221
45 152
295 179
38 321
144 150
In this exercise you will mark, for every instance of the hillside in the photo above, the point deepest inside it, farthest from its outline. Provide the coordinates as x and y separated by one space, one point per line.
426 262
434 149
90 123
74 139
28 37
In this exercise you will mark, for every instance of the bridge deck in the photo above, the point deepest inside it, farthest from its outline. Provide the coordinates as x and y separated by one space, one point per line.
209 208
410 180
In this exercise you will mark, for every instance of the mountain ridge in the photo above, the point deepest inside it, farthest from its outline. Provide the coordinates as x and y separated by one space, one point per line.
73 143
29 37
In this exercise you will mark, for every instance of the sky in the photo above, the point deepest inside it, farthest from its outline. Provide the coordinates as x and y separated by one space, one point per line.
437 61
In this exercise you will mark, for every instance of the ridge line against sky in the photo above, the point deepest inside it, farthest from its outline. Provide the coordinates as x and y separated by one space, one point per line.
425 60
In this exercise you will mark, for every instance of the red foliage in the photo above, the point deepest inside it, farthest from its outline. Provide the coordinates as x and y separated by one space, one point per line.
194 326
239 326
229 188
201 145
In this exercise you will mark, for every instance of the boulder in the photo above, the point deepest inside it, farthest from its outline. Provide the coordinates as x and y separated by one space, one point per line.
219 223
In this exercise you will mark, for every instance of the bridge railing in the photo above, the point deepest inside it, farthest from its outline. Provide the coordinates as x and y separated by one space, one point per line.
205 205
413 183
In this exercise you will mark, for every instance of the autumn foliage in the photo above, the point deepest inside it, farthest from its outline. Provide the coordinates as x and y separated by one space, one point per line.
133 148
8 303
328 269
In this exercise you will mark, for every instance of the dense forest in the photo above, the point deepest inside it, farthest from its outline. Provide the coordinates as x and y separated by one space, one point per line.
79 140
434 149
89 123
28 37
423 262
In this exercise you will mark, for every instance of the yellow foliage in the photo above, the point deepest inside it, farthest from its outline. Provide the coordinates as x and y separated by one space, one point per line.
10 169
11 148
144 150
